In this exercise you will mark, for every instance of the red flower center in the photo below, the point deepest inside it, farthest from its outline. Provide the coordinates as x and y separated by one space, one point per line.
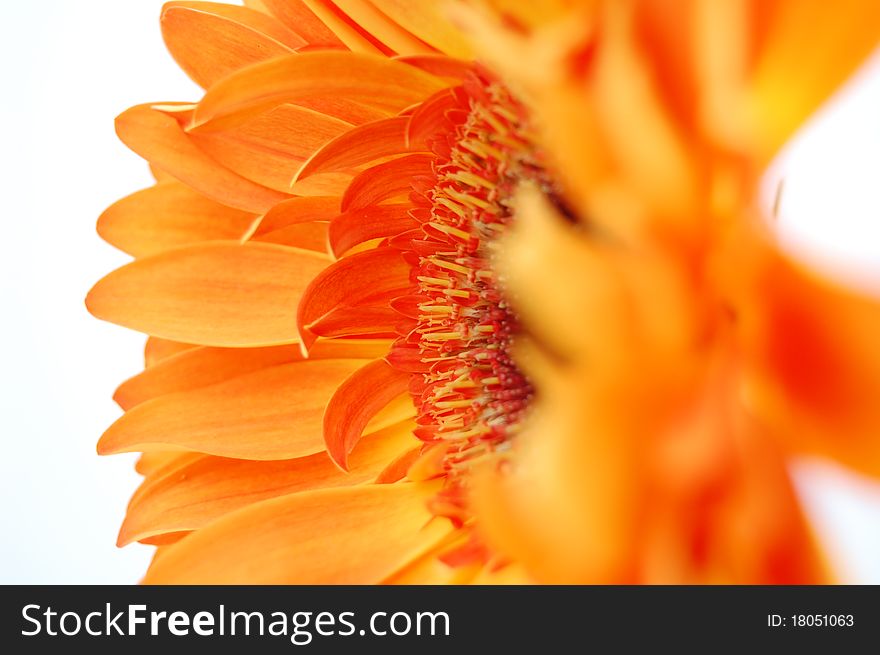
469 392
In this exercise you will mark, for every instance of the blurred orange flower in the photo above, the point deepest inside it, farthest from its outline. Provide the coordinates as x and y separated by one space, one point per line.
678 357
336 387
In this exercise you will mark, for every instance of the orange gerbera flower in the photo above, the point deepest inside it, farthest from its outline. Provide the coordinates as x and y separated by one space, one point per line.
332 389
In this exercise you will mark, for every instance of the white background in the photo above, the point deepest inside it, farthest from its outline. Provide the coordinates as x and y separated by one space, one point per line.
68 69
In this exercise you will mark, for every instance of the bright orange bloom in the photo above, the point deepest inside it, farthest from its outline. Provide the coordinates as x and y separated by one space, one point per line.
336 387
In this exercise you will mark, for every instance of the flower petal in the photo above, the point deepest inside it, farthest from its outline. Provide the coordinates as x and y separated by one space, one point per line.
358 226
203 366
273 413
151 463
199 490
168 215
156 349
371 80
427 21
348 31
355 321
311 236
298 210
805 51
380 27
159 138
355 535
271 147
302 20
456 70
216 294
355 402
430 117
352 281
385 181
817 364
210 40
357 146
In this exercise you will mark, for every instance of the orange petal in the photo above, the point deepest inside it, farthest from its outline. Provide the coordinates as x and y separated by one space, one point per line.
380 27
159 138
644 137
430 118
164 539
352 281
806 50
817 361
311 236
156 349
159 175
168 215
354 535
210 40
353 321
372 80
396 469
203 366
345 109
151 463
427 21
203 488
327 184
357 146
302 20
354 404
456 70
298 210
273 413
359 226
385 181
271 147
216 294
348 31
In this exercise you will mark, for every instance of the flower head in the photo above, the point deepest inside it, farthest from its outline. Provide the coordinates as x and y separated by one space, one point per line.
417 316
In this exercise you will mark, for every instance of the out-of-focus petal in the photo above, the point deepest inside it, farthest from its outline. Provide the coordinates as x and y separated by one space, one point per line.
816 362
805 50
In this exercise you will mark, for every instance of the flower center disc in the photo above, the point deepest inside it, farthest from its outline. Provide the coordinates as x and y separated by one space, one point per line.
469 393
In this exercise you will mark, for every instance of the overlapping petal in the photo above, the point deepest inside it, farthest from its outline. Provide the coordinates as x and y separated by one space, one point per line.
355 535
216 293
194 491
